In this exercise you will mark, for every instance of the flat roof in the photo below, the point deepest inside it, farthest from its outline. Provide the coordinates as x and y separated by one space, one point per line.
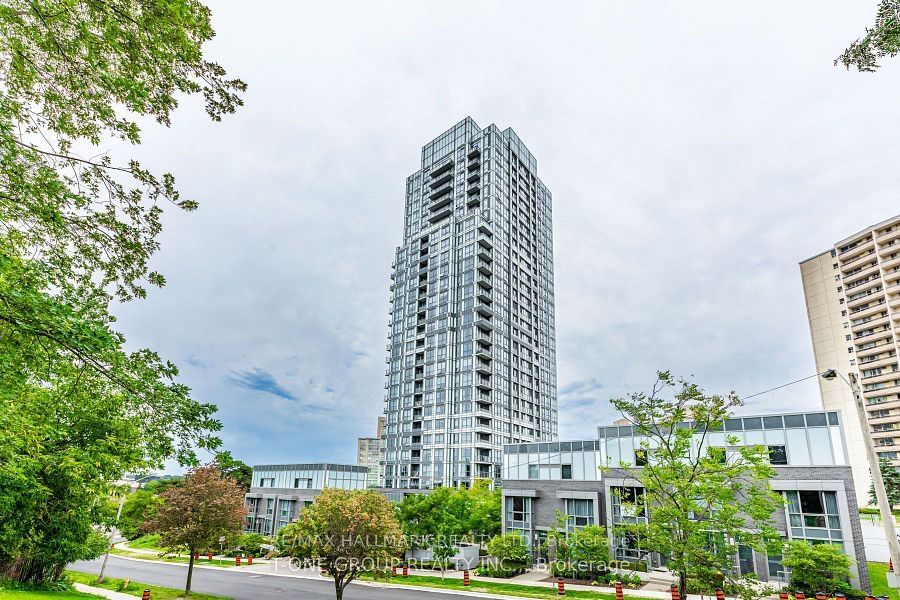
312 467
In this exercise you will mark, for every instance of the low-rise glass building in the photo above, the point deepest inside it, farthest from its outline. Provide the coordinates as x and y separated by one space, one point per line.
592 482
278 492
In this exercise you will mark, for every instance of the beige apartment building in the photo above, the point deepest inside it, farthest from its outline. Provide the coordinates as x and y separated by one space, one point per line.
853 303
368 454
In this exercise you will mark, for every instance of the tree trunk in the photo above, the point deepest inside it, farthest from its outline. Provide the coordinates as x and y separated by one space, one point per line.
187 586
338 587
682 585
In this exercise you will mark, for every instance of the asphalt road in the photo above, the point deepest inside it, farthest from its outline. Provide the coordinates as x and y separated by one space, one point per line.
248 585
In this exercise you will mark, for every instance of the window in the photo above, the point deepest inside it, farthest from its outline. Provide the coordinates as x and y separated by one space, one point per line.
778 455
813 515
567 471
532 471
579 512
640 458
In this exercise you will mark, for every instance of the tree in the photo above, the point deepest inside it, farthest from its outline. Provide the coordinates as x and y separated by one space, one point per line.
234 469
461 513
140 506
589 550
817 568
891 476
509 553
76 231
705 497
197 513
880 41
346 532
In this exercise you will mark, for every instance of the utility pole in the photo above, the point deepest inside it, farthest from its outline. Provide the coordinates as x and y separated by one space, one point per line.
884 506
109 544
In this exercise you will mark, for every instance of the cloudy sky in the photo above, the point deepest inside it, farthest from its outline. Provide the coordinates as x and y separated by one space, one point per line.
696 152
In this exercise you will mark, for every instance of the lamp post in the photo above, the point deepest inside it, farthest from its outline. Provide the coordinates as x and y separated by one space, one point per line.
132 486
884 506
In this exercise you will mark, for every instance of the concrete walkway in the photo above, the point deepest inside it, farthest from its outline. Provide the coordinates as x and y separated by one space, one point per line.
203 557
87 589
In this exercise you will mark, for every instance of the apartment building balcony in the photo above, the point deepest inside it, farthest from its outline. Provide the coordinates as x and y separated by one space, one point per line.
885 405
862 285
484 325
881 377
484 240
892 276
474 176
484 266
865 271
858 247
849 265
473 201
876 349
441 168
873 336
887 433
893 234
473 153
440 203
890 263
475 188
484 311
885 391
883 420
872 308
438 192
483 353
485 254
483 337
865 297
483 367
884 361
872 322
484 281
888 248
483 295
439 181
483 384
441 214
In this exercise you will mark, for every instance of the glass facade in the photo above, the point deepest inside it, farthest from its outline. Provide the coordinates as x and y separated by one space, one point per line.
578 461
813 516
310 476
472 344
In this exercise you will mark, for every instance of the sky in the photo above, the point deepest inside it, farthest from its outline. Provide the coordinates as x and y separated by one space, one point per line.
696 153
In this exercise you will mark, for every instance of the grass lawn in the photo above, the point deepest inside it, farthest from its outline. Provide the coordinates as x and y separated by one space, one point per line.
490 587
37 595
216 562
146 542
878 576
134 588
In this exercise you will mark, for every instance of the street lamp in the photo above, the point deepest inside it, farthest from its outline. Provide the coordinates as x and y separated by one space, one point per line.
132 486
884 506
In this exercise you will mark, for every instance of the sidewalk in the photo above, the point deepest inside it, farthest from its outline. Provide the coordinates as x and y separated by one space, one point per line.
203 557
87 589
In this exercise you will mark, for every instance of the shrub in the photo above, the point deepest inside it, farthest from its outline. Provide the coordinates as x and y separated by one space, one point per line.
509 556
818 568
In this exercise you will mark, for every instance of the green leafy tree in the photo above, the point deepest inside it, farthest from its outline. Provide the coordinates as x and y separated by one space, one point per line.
891 476
235 469
589 550
509 554
346 532
473 514
77 230
882 40
704 501
817 568
194 515
140 506
443 548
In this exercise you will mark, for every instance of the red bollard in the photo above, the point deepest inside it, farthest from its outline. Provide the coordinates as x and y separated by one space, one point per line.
405 570
840 596
466 578
783 595
890 563
720 594
560 587
799 596
237 561
393 570
209 556
676 595
196 555
620 595
821 596
145 595
249 559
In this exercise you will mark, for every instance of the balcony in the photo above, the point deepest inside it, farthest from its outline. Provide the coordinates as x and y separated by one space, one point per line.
872 322
441 168
483 353
856 261
473 153
872 308
446 189
485 254
484 240
473 176
483 368
441 203
439 181
442 214
474 189
857 247
850 280
894 234
473 201
484 267
484 311
484 281
475 163
484 325
483 384
483 296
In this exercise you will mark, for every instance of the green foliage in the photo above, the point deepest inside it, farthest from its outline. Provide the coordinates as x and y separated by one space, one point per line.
702 503
249 544
235 469
891 476
509 555
882 40
76 230
147 542
195 514
581 553
472 514
140 506
346 533
818 568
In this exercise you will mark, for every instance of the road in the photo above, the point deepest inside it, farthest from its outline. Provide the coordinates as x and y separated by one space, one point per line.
241 584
